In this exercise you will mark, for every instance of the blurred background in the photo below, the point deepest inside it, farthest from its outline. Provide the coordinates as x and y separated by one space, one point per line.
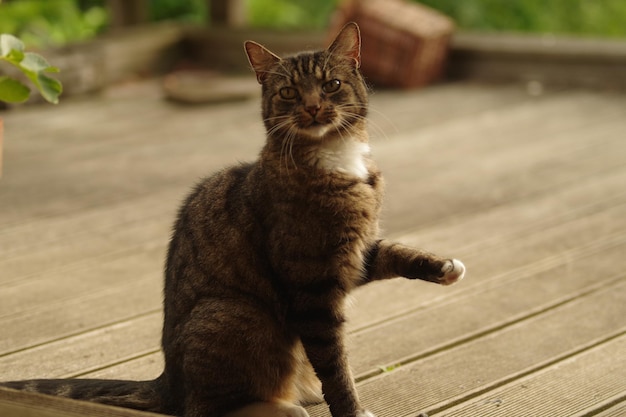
45 23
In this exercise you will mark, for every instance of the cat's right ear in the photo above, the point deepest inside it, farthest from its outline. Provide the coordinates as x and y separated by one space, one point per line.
261 59
348 43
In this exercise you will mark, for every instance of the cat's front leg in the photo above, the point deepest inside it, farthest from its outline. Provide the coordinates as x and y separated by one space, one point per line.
386 260
321 333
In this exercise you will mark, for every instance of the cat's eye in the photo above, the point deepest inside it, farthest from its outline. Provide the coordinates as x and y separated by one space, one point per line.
331 86
288 93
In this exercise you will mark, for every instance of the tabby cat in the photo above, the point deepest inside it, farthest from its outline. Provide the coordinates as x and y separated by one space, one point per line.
263 255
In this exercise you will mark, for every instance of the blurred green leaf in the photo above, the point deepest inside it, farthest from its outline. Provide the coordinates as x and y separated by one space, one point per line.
34 62
33 65
11 47
49 88
13 91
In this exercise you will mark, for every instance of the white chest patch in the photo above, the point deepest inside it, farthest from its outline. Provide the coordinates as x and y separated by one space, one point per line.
345 156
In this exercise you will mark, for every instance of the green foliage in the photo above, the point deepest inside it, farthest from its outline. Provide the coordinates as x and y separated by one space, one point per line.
579 17
42 23
290 14
33 65
185 10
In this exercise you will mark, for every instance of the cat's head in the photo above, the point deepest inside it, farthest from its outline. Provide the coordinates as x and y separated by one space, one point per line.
313 95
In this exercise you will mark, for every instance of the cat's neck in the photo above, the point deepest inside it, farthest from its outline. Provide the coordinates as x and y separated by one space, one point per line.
346 154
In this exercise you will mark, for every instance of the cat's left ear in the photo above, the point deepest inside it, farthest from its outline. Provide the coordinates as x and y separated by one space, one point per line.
348 43
261 59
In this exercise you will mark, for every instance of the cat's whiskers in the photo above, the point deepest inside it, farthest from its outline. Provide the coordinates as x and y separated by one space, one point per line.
350 111
287 147
342 125
387 120
345 112
283 121
286 127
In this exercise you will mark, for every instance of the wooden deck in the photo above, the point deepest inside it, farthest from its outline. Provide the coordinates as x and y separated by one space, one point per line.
529 191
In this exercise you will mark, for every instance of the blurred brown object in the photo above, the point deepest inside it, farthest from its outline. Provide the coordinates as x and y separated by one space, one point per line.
405 44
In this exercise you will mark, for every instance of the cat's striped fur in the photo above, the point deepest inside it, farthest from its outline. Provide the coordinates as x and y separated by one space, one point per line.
263 255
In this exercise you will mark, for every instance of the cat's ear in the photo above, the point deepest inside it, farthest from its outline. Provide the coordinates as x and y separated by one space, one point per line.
261 59
348 43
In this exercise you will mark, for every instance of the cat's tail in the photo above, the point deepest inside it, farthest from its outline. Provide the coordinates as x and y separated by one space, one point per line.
138 395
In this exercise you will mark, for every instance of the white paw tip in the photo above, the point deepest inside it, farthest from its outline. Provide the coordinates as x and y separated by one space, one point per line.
454 271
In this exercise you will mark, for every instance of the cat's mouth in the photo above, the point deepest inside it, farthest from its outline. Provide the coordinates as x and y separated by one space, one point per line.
317 129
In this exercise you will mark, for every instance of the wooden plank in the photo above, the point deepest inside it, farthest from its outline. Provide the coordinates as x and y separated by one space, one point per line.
434 383
93 247
499 174
435 328
135 172
59 254
153 121
86 352
137 369
577 386
616 410
150 135
567 210
28 404
539 291
46 244
394 112
108 298
519 219
21 298
104 302
395 216
103 273
494 123
507 260
75 315
368 347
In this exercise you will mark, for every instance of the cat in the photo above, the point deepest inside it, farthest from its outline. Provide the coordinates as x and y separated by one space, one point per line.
263 254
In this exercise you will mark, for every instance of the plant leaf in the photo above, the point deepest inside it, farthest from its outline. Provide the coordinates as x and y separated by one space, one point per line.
50 88
33 66
9 44
13 91
34 62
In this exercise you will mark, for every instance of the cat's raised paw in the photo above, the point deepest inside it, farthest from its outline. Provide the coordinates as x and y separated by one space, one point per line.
453 271
365 413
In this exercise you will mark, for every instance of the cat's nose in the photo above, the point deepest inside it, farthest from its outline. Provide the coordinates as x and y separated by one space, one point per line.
313 110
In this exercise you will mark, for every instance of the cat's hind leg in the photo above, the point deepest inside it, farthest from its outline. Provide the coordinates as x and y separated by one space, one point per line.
269 409
234 353
306 385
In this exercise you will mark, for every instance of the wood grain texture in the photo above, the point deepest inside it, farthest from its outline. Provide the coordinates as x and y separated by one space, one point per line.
527 191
